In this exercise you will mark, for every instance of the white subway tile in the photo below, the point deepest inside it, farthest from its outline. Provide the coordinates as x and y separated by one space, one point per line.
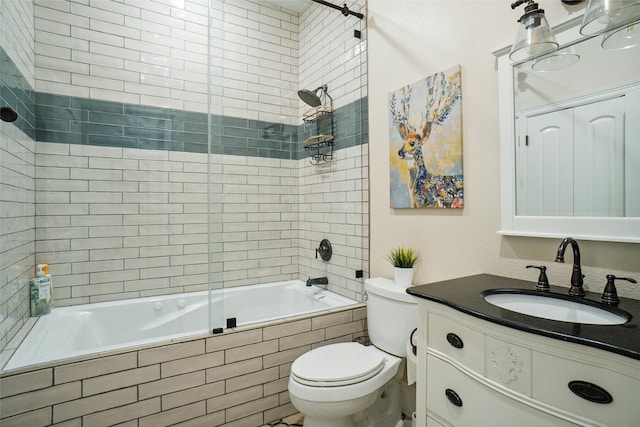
97 36
44 74
146 89
144 46
109 28
98 83
118 8
50 13
97 59
61 64
162 18
95 13
139 24
156 101
189 16
113 51
51 26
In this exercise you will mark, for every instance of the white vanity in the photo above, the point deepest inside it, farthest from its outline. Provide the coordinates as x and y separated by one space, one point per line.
481 365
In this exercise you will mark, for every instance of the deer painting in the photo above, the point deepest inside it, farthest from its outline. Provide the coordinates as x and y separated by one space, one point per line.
428 155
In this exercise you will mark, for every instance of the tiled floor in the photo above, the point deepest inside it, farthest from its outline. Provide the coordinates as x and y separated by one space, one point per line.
297 419
293 420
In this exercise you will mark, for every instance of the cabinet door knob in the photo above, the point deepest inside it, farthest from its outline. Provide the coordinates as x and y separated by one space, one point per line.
454 340
453 397
591 392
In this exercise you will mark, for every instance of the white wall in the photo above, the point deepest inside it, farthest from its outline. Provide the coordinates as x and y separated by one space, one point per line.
409 40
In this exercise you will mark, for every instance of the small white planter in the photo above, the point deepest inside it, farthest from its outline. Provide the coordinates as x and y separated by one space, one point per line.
403 277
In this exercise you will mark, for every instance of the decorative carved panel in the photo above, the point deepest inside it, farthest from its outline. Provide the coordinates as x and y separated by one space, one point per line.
506 363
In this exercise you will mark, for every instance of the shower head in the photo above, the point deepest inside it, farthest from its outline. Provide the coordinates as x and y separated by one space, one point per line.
311 98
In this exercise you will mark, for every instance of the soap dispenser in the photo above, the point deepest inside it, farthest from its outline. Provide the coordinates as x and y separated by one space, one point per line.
41 292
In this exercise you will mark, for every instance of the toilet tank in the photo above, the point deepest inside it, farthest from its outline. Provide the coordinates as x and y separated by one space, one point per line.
392 314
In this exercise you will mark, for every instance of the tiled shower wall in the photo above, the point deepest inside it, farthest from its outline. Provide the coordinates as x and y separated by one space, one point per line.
333 197
17 171
122 134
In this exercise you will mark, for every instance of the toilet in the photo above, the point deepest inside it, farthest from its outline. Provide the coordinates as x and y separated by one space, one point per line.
352 385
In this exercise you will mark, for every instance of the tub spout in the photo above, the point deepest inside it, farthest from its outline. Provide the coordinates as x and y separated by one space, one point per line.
318 281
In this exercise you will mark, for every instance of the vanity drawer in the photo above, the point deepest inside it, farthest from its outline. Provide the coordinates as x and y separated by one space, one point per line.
433 423
456 340
551 378
461 401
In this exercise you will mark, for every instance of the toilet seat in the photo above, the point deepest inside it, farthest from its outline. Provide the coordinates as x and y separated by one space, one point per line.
337 365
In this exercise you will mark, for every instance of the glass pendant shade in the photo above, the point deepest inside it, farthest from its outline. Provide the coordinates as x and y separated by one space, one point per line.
622 38
607 15
556 60
534 37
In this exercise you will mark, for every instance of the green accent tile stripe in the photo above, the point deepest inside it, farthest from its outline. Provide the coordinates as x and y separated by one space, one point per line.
91 122
53 118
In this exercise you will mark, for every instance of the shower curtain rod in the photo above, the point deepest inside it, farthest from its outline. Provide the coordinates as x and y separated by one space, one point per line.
344 9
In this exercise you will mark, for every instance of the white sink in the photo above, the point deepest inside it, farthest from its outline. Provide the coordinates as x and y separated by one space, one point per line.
550 307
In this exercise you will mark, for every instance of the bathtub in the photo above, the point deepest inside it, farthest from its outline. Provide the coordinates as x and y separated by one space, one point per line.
103 327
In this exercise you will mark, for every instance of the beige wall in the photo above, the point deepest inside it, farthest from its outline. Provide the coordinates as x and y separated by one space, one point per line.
409 40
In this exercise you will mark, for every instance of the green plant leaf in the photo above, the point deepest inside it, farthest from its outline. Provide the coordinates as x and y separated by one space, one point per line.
403 257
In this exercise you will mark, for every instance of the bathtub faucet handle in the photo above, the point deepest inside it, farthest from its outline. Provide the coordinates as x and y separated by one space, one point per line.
324 250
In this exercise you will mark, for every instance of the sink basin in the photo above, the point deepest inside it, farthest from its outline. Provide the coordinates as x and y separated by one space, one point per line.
555 307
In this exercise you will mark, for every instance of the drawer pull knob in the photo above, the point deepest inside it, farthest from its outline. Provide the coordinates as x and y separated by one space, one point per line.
590 392
453 397
454 340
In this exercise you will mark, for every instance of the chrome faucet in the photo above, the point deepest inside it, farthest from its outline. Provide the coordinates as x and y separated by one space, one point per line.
318 281
576 289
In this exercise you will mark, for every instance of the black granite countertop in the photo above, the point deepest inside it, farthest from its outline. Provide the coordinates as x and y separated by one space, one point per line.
466 295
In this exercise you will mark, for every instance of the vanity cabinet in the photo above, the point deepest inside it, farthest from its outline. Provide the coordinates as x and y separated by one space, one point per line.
473 372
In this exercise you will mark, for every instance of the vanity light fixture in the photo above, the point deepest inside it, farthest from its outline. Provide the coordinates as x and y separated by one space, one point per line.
556 60
534 37
623 38
619 20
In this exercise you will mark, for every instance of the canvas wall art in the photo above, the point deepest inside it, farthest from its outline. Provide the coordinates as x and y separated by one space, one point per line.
425 143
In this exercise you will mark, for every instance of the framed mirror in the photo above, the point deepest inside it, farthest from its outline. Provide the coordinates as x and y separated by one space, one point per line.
570 142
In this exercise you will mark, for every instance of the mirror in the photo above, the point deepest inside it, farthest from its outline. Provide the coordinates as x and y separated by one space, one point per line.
570 142
574 146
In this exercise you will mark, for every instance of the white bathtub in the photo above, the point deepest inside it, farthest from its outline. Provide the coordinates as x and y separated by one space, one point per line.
97 328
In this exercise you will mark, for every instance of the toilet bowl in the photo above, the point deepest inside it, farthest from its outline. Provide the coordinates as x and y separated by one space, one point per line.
331 385
349 384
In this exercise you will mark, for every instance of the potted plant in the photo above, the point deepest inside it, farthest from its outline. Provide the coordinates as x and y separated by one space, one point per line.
403 259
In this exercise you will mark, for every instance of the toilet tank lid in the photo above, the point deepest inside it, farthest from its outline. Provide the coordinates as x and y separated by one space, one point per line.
387 288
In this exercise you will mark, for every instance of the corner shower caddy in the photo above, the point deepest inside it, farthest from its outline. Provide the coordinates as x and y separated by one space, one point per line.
320 145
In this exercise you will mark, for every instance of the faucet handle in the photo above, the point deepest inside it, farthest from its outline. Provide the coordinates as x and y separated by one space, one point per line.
543 282
610 294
